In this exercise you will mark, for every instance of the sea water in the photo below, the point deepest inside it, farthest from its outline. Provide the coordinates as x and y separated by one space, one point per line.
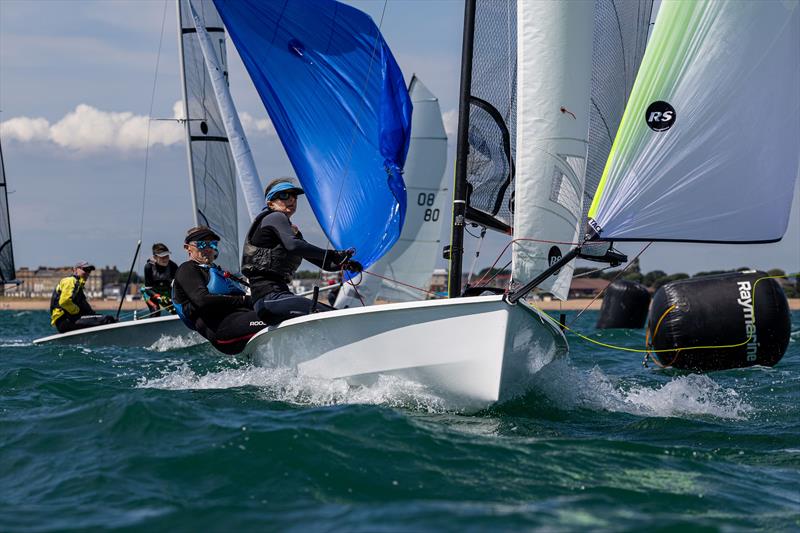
181 438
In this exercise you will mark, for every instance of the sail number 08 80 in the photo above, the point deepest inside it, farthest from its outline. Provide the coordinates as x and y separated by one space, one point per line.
427 199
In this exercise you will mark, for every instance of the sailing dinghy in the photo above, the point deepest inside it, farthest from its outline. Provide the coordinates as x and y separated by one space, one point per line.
212 180
8 273
666 178
470 351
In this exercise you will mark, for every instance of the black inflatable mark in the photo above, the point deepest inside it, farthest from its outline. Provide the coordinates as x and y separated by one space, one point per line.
721 310
625 305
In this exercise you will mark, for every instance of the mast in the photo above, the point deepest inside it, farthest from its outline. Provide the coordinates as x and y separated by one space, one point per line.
195 219
462 150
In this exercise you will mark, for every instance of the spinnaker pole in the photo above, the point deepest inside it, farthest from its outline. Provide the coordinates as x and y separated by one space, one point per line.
462 150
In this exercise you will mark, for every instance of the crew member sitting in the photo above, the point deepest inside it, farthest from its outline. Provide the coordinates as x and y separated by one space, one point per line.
274 248
69 309
159 271
209 300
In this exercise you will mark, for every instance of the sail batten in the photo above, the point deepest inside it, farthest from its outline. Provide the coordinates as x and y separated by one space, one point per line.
708 147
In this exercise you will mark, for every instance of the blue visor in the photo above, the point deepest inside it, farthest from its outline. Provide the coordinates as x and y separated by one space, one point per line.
283 186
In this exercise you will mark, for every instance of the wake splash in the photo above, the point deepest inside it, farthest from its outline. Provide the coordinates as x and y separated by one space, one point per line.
284 385
683 396
167 343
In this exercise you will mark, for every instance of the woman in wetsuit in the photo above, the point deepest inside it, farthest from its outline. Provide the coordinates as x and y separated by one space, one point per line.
273 251
208 301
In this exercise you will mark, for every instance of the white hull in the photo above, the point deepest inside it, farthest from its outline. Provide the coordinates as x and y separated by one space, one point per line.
471 352
137 333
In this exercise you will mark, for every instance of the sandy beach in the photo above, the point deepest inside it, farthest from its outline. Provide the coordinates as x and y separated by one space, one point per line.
19 304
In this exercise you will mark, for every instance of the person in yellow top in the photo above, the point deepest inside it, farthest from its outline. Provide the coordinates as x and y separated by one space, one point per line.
69 309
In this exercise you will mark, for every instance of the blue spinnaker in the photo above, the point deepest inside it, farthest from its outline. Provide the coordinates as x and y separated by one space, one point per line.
338 101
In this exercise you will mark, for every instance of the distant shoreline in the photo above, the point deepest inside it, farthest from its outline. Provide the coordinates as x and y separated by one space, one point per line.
42 304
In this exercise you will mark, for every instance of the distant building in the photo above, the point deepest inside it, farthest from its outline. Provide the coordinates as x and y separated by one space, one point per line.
587 287
439 281
40 282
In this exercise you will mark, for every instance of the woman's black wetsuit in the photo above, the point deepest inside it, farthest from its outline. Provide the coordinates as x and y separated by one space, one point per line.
226 320
272 254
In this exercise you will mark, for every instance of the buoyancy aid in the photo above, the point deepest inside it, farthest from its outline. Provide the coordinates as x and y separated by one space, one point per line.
274 263
74 302
219 282
159 277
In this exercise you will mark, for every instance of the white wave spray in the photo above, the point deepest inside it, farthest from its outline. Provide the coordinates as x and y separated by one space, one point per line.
284 385
689 395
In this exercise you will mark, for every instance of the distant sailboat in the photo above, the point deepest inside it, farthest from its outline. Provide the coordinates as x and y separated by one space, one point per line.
407 267
212 176
7 270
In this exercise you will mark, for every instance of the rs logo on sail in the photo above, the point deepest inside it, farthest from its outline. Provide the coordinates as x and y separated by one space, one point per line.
746 301
660 116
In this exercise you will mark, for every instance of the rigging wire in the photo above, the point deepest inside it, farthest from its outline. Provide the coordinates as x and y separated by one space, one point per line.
432 293
149 119
622 271
477 252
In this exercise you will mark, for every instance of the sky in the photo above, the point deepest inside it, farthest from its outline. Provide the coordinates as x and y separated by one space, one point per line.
76 83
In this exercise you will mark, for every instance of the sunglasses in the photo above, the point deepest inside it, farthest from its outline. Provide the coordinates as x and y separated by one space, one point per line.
202 245
284 195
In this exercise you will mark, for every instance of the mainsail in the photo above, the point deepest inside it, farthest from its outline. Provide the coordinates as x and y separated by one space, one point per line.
492 115
412 259
242 156
7 272
341 109
212 172
554 50
708 146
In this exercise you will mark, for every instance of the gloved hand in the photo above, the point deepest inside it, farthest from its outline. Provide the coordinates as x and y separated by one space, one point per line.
351 265
341 256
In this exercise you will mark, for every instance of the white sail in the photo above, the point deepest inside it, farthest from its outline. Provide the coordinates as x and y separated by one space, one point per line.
709 146
554 51
212 172
242 156
412 259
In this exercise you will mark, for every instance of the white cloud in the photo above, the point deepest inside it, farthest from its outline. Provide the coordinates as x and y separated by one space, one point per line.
252 125
25 129
88 129
450 119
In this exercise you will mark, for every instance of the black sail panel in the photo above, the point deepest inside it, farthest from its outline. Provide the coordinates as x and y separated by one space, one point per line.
492 115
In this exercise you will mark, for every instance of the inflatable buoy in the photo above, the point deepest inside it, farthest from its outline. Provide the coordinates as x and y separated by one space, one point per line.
625 305
742 317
